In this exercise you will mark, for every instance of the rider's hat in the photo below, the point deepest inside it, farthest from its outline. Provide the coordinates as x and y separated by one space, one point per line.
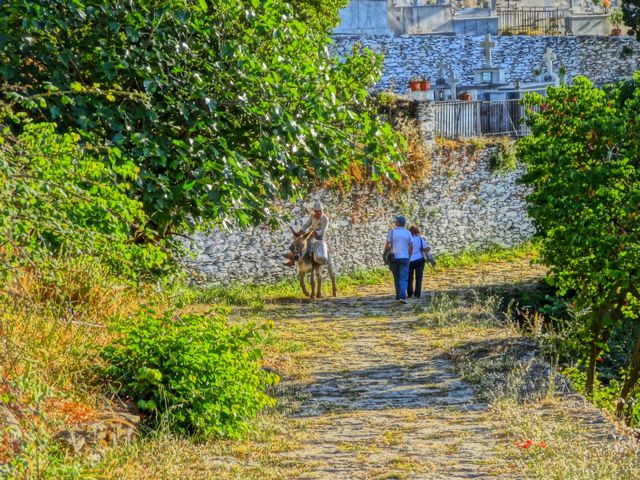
317 205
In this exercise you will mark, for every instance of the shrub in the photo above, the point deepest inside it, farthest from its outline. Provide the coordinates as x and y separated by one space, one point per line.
195 372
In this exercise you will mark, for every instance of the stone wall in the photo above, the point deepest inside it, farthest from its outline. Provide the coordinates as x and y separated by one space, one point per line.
459 205
602 59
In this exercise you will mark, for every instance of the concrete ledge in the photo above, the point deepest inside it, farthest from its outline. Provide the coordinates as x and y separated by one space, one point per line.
588 25
475 25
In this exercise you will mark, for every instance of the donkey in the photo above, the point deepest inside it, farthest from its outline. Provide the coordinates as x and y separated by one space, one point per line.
301 253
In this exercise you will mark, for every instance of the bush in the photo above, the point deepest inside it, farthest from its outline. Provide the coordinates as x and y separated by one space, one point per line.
195 372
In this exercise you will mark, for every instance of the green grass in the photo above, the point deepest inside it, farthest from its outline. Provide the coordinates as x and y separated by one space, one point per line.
494 253
257 295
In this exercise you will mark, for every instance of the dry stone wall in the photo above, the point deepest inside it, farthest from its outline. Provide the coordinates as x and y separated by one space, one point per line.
460 205
602 59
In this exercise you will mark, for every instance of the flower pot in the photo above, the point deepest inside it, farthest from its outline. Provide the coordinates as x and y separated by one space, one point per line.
465 97
425 85
414 85
616 32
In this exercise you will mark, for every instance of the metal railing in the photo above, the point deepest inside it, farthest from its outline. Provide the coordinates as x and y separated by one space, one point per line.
458 119
532 20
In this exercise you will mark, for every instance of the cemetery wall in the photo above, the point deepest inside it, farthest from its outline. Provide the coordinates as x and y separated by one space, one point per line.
602 59
460 204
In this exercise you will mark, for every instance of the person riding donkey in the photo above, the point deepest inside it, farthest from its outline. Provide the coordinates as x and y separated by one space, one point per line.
318 222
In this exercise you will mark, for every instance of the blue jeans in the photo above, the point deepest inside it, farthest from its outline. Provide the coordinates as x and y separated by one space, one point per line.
400 270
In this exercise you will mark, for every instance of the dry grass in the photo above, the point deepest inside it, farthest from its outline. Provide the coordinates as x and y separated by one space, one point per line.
52 326
573 450
419 156
169 457
52 329
569 438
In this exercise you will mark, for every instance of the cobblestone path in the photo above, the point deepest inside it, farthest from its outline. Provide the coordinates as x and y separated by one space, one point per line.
388 404
441 388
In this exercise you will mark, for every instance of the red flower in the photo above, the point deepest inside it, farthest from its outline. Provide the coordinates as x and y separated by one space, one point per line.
542 445
600 359
526 444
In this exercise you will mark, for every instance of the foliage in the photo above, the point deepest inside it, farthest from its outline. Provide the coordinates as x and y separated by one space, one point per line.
195 372
604 396
631 15
56 197
323 14
225 106
617 17
582 160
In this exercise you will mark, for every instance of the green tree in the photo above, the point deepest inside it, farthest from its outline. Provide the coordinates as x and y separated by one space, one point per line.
224 106
583 167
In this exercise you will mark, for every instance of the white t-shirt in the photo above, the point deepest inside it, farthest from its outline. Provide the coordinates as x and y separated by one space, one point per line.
418 245
400 239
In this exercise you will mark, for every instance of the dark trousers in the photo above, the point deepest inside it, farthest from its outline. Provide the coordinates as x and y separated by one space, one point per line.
400 269
416 267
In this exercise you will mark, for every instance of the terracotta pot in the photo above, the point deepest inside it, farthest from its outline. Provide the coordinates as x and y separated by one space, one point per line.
616 32
425 85
465 97
414 85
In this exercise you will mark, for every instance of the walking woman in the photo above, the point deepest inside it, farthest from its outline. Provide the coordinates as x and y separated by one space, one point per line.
416 263
399 240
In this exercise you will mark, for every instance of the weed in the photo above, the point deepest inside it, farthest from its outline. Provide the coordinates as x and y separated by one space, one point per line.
503 156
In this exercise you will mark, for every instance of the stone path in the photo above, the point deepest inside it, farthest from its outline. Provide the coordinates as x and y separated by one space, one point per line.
389 405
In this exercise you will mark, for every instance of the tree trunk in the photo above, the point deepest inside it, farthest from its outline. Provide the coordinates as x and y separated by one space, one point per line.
591 368
630 381
593 355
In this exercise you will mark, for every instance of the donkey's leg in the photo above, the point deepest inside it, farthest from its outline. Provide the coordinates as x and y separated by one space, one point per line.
313 283
302 284
332 276
319 282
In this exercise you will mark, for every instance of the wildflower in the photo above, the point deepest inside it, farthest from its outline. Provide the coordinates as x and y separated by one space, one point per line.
542 444
526 444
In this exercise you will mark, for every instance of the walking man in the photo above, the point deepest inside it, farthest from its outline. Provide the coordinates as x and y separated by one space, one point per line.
399 240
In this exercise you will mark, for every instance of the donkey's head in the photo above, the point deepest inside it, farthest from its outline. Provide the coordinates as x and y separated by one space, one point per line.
299 245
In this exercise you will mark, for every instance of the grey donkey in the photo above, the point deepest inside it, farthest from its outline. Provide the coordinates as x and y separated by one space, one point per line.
301 254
